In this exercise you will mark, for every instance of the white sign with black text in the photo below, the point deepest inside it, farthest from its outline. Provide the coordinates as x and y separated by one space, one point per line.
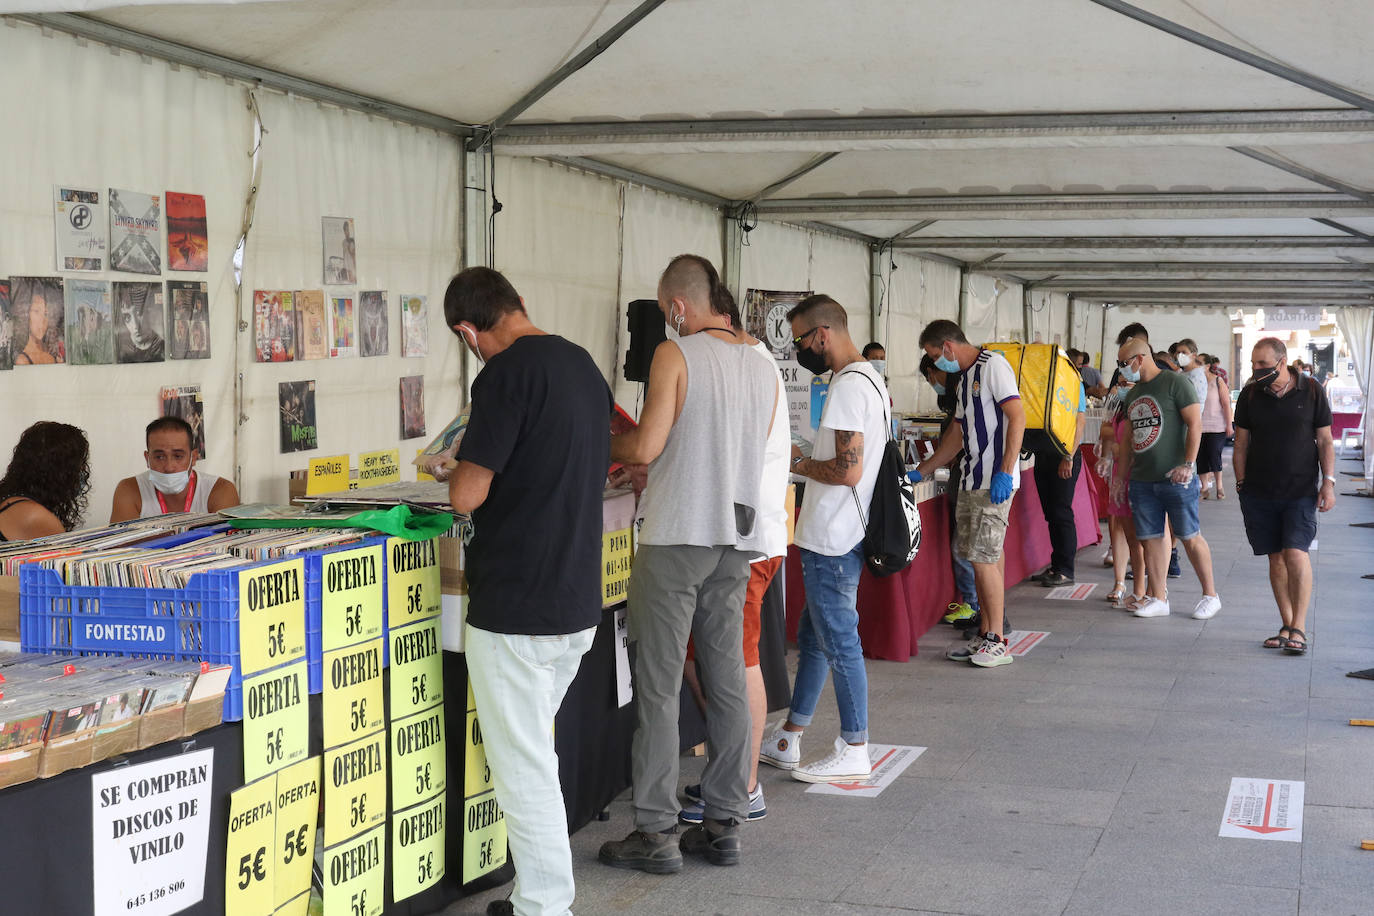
624 688
150 832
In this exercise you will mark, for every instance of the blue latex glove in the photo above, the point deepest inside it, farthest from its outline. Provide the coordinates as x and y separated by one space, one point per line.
1001 490
914 475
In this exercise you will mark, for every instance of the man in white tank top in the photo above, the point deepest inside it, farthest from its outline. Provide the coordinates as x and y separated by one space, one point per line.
171 483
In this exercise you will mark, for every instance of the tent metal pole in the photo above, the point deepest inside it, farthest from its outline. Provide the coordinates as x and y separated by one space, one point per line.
649 181
1352 239
733 253
781 183
1027 315
1292 168
1068 321
1283 71
963 294
876 254
1348 230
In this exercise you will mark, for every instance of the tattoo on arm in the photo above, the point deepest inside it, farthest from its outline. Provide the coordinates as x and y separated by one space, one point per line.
849 453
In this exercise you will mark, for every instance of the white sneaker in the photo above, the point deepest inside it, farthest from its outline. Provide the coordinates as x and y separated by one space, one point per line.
846 763
781 748
1153 607
992 653
1207 608
958 653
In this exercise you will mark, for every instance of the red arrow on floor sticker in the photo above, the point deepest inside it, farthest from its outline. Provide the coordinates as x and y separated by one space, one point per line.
1265 828
851 786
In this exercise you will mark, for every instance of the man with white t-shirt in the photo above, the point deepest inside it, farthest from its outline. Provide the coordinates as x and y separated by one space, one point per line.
991 423
841 473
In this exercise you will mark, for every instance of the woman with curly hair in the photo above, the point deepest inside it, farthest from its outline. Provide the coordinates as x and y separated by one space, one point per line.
44 489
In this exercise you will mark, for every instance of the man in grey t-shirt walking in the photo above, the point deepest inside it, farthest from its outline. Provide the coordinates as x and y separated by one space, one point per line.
703 429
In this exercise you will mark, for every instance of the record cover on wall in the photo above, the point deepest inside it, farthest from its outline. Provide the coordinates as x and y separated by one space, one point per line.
79 221
139 320
135 232
184 401
90 326
37 319
343 340
414 325
296 406
274 325
188 238
373 337
6 328
765 317
340 251
312 325
188 316
412 406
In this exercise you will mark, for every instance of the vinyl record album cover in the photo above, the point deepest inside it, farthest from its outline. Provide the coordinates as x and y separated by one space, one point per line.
274 325
414 325
79 221
373 339
340 251
90 327
188 240
343 340
139 316
135 232
296 404
188 316
6 328
184 401
37 320
412 407
312 325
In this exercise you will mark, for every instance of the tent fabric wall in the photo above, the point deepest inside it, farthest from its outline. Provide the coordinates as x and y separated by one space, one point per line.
918 292
164 129
1357 326
784 257
1210 328
401 186
840 268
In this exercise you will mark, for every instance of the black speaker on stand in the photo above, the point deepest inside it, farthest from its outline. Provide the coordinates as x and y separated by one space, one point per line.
647 331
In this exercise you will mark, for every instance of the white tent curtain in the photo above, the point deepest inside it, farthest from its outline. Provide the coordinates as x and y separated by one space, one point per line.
1357 325
840 268
783 257
918 292
1209 327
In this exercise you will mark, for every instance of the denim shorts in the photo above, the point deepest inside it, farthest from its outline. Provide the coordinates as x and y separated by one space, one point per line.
1274 525
1154 500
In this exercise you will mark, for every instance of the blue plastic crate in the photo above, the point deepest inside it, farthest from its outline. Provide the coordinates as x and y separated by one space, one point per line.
168 541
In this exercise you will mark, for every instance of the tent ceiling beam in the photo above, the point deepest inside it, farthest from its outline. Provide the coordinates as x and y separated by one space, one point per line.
578 61
784 182
186 56
1356 285
608 170
1214 205
1272 67
1292 168
912 230
1348 230
841 231
1122 243
936 132
1172 268
1259 297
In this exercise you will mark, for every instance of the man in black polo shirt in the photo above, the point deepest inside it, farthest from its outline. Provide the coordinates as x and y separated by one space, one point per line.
1283 440
531 470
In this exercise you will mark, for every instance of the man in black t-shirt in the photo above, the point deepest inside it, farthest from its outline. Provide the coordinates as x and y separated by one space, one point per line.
1283 441
531 470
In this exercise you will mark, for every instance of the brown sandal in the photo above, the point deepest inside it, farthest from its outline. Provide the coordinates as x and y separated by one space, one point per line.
1296 643
1277 641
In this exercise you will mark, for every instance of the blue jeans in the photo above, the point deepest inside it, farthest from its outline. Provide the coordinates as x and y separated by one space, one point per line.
828 640
1154 500
963 580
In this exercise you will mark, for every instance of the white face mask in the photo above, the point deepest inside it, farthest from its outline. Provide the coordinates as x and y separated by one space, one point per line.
879 365
175 482
1184 360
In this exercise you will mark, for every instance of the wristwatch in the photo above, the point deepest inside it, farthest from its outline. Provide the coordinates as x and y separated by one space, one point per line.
798 460
1329 477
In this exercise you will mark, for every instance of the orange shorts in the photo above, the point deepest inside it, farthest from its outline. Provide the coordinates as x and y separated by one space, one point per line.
760 576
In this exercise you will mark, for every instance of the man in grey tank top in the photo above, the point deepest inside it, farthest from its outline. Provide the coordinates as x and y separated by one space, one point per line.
705 422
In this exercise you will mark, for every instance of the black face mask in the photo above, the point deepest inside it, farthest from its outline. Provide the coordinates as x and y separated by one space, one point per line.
812 361
1265 377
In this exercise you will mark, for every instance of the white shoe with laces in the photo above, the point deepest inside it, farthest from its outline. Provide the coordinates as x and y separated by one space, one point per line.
1207 608
781 748
846 763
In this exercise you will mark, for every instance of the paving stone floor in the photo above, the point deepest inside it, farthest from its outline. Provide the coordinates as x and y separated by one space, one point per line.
1088 777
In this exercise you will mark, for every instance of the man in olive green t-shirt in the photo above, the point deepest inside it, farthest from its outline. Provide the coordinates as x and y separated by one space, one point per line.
1160 454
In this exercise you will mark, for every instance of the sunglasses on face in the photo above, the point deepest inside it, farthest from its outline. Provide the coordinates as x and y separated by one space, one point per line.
800 342
1123 363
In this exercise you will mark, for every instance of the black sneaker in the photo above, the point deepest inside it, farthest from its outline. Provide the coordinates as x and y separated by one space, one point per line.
655 853
717 840
1056 579
500 908
1175 571
1043 574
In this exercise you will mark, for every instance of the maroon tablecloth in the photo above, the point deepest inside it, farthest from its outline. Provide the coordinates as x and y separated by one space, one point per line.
896 611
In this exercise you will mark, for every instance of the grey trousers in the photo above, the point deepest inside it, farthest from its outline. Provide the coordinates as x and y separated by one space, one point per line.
675 592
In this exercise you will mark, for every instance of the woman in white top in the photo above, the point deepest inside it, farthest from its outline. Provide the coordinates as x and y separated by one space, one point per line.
1216 426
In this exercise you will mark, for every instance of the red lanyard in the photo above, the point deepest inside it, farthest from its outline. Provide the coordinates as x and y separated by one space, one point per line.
190 495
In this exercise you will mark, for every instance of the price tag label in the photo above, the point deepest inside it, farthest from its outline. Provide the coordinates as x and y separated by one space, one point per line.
249 862
484 836
271 615
298 801
276 720
417 667
327 475
352 702
617 554
419 764
354 875
476 771
355 787
417 847
351 596
412 586
377 468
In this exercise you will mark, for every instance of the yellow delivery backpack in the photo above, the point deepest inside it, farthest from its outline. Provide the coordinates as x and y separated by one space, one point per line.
1049 388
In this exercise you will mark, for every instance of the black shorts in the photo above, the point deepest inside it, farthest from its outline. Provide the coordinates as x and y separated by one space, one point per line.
1274 525
1209 452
